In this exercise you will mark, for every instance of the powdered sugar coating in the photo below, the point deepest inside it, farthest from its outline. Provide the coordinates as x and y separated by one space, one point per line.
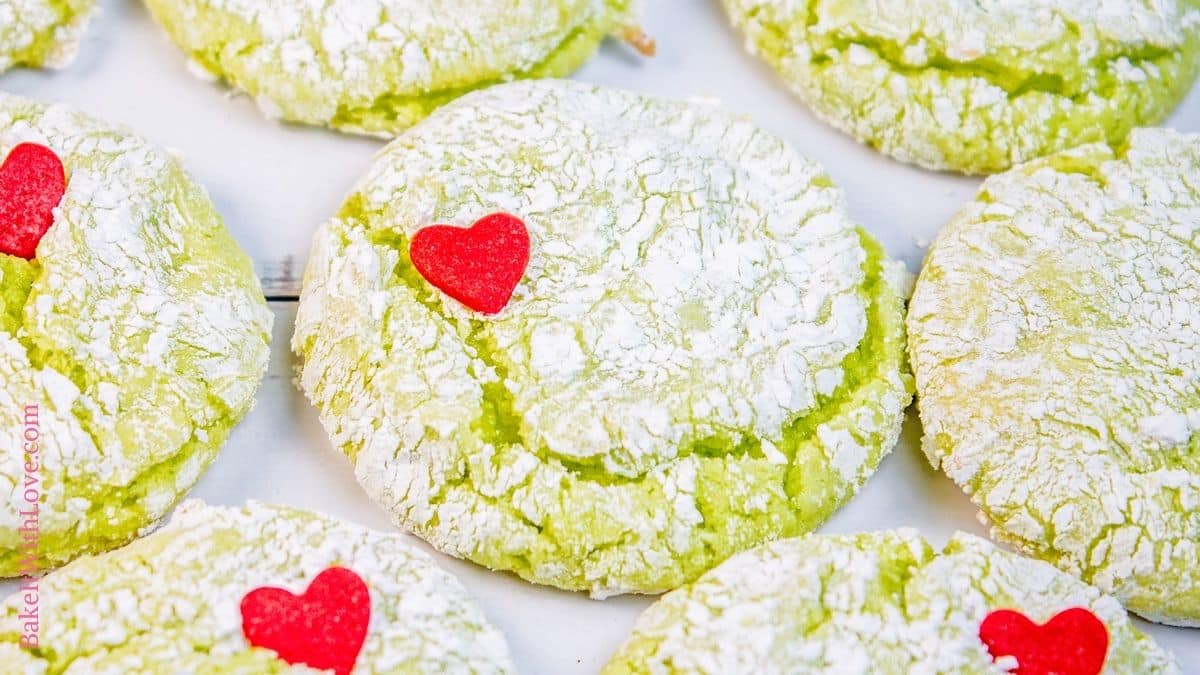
869 603
1054 334
169 603
704 352
139 332
379 66
41 32
979 86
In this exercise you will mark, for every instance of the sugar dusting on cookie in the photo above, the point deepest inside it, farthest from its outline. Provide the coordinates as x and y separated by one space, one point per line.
144 336
881 602
41 32
650 395
172 602
378 67
977 87
1053 333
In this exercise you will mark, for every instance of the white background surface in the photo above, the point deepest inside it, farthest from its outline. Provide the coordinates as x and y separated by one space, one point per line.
274 184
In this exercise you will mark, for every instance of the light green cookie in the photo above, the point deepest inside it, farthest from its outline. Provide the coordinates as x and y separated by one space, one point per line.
979 86
380 66
40 33
884 603
130 345
1054 336
172 602
704 353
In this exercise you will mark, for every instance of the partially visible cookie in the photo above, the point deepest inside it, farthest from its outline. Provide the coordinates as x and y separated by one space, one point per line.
379 66
979 86
133 334
261 589
887 603
1054 334
40 33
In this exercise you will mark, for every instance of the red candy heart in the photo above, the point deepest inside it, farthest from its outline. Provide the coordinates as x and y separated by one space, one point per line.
32 183
1073 642
479 266
324 628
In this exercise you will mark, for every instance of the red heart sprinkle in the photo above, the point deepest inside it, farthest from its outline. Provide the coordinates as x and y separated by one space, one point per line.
32 183
324 628
1072 642
480 266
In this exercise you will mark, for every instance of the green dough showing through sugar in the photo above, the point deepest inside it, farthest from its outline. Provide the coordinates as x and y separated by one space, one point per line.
979 87
38 33
16 279
379 66
170 603
704 354
1054 334
139 332
885 603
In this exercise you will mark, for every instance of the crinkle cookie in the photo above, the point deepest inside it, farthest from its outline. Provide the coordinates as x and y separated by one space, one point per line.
1054 337
41 32
887 603
379 66
133 334
701 352
979 86
261 589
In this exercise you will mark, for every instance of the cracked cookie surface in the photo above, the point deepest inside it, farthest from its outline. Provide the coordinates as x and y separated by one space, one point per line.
979 86
169 603
883 603
38 33
1053 335
379 66
139 332
704 353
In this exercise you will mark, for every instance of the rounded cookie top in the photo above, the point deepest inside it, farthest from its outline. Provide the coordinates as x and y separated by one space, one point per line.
41 32
885 603
1053 335
979 86
216 588
704 353
130 343
379 66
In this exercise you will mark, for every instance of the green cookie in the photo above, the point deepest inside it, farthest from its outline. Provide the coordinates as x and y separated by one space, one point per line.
380 66
1054 337
979 86
176 601
884 603
40 33
703 354
129 346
